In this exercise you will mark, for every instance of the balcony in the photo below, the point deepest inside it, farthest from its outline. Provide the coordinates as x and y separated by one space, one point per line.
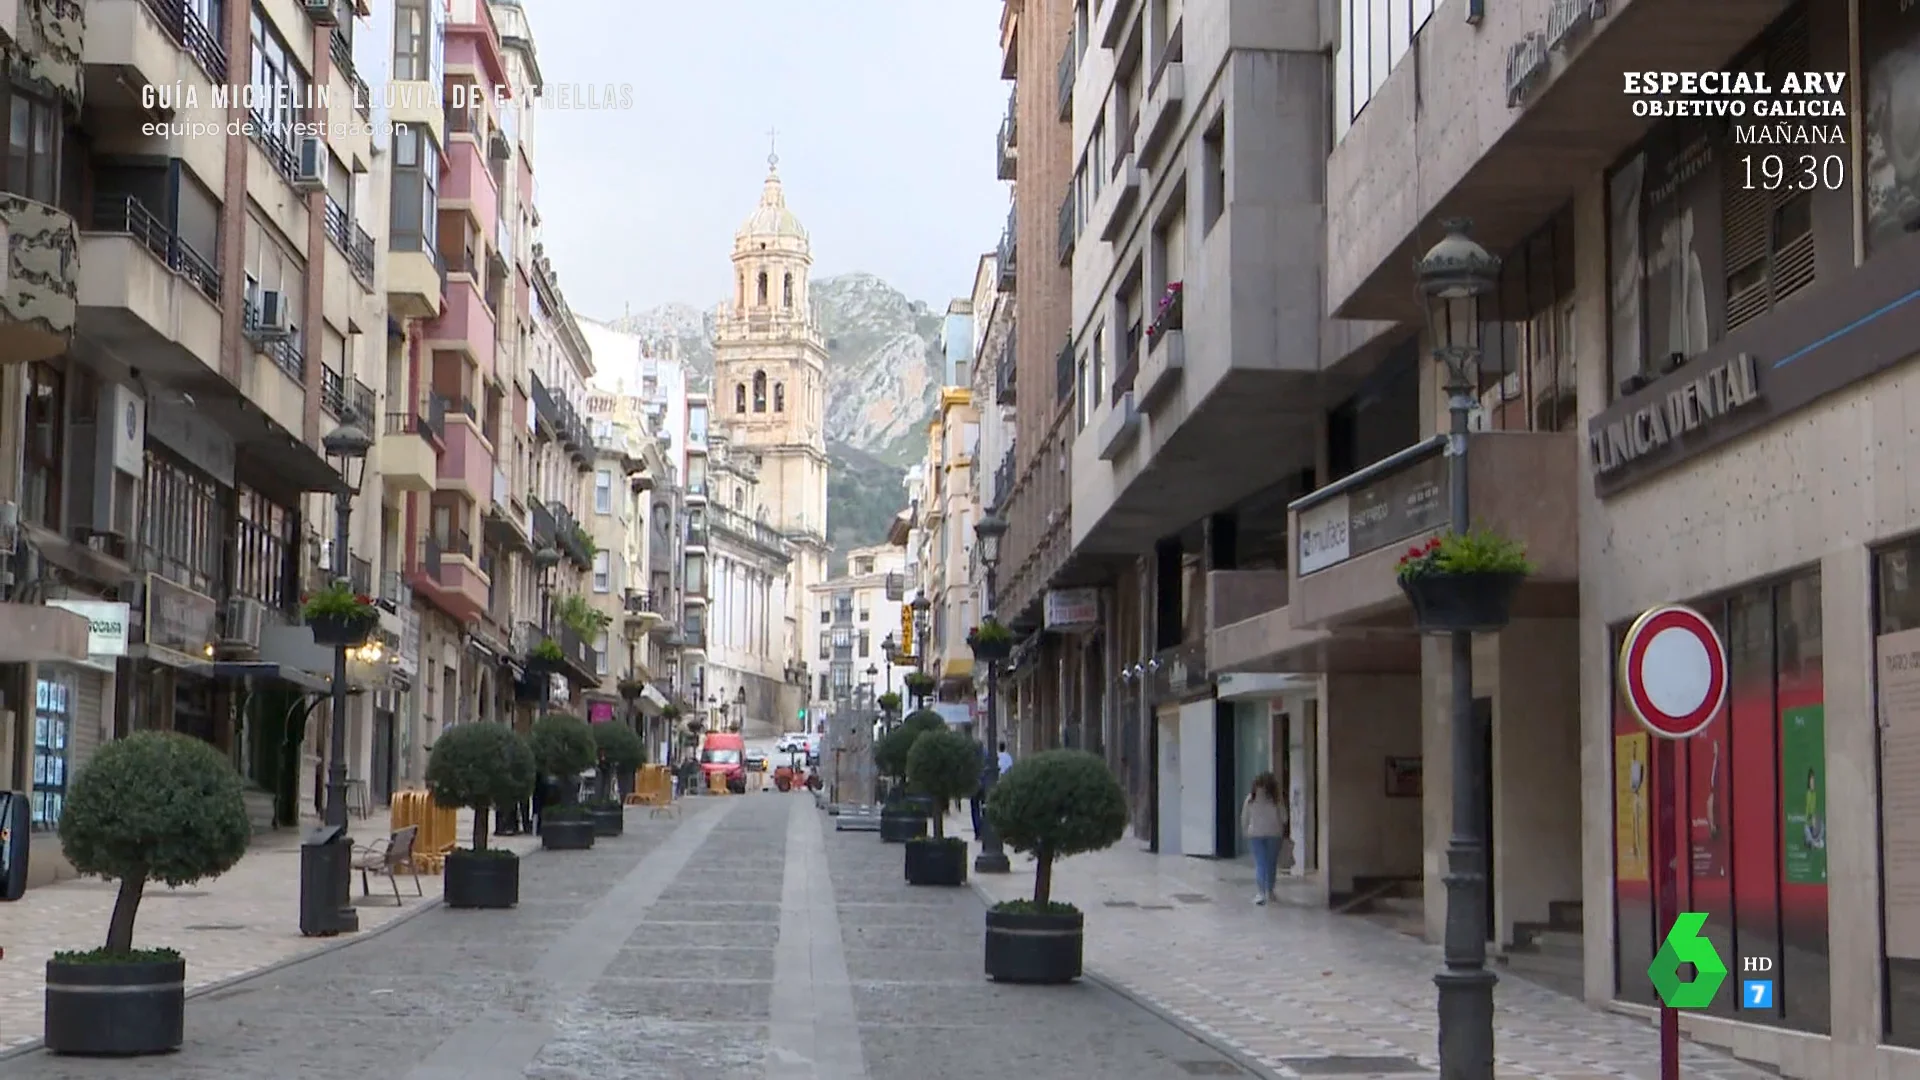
352 242
466 182
150 43
1064 73
1166 360
577 657
341 48
696 538
574 542
1111 22
547 414
1006 374
409 452
1006 146
1121 428
747 531
144 292
1165 97
1112 211
1349 535
467 464
1063 375
1010 38
1006 254
1069 231
546 529
445 574
38 296
415 276
464 323
640 610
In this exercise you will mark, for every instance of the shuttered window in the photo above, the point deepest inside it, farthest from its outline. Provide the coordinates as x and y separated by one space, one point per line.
1768 244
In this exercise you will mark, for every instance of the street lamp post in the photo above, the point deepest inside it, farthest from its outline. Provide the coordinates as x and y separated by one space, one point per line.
921 605
992 858
348 445
1454 275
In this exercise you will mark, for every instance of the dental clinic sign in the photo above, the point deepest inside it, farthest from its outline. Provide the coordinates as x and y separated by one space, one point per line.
107 631
1529 58
1695 405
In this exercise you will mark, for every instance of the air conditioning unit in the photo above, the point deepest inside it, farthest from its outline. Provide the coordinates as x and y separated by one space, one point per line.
270 317
311 171
245 617
322 12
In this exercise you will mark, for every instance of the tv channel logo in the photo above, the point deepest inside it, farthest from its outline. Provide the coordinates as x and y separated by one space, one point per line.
1685 945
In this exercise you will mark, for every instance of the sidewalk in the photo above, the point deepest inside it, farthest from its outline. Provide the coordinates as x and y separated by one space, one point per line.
240 922
1293 987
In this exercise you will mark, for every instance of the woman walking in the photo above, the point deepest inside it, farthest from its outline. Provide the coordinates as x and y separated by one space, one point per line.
1264 820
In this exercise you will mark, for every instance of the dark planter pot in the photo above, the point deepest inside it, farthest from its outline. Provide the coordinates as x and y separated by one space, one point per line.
531 690
575 834
351 631
1476 603
992 650
937 862
609 820
540 667
899 824
922 805
1039 949
481 882
116 1010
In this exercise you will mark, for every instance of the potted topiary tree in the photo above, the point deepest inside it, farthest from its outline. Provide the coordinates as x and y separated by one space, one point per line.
338 616
620 752
480 766
1051 805
903 816
154 806
563 748
920 686
1463 581
944 766
990 640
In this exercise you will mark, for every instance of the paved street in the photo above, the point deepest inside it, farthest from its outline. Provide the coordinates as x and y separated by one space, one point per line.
745 940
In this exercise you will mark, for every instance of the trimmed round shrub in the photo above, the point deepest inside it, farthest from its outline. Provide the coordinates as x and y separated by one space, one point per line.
563 746
620 752
1055 804
480 766
154 806
890 752
889 702
944 765
922 721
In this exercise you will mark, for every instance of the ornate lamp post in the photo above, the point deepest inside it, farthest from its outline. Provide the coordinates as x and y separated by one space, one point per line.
992 858
347 445
920 605
1454 275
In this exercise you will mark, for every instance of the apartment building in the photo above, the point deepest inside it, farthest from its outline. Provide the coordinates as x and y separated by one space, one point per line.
990 381
947 513
859 636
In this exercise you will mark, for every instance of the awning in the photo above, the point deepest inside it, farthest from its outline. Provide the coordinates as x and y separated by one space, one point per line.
34 633
651 701
264 669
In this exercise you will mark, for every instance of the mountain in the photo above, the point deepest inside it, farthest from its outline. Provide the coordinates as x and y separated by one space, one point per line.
883 380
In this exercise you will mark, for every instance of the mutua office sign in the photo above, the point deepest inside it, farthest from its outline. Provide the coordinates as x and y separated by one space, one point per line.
1529 58
1696 404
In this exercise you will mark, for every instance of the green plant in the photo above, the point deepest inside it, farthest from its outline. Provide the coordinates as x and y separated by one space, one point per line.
922 721
671 712
1478 552
547 650
890 752
889 702
337 601
582 538
621 752
920 684
479 766
990 632
563 748
1055 804
944 765
576 614
154 806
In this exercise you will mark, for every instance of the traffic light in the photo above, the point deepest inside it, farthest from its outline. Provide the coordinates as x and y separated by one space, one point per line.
803 712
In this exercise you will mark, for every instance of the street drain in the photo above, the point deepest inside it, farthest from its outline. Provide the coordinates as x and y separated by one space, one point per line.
1156 907
1193 898
1123 903
1341 1065
217 926
1210 1068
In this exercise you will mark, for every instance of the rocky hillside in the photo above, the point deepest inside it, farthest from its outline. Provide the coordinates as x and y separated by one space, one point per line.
883 378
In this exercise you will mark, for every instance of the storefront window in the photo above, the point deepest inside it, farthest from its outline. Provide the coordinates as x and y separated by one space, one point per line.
52 732
1897 693
1890 48
1526 379
1752 810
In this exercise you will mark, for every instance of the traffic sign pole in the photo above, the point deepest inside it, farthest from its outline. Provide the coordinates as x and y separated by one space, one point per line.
1673 677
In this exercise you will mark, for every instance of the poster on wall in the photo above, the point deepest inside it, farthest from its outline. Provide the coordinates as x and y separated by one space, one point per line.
1632 782
1803 794
1890 40
1707 809
1898 695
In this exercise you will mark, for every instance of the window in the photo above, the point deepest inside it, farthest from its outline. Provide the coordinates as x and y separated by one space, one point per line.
279 86
412 41
1752 790
762 294
600 650
33 147
826 691
826 642
603 492
265 543
787 292
1213 173
602 572
1526 378
865 644
1890 44
759 391
865 615
416 196
739 397
780 397
184 523
1375 36
271 265
45 444
52 733
826 617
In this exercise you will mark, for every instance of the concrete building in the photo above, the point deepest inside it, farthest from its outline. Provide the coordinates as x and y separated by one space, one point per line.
993 391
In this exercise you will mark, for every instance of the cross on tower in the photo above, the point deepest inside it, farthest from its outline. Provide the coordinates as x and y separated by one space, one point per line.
773 143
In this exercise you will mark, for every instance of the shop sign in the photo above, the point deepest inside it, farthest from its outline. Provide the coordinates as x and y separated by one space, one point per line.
1072 609
180 620
1528 58
1719 392
1390 509
107 627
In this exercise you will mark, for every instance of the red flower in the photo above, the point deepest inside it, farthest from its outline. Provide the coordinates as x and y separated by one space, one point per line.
1413 553
363 598
1433 544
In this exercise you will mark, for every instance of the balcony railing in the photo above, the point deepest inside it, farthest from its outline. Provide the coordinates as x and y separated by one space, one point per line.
638 602
1007 253
129 216
578 652
696 536
1006 380
271 138
1007 142
353 242
182 23
333 392
343 59
1064 75
1063 374
546 529
1003 478
746 528
693 637
365 403
360 576
429 563
1068 227
284 351
457 542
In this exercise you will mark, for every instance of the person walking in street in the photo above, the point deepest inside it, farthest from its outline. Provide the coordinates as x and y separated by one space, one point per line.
980 793
1263 819
1006 759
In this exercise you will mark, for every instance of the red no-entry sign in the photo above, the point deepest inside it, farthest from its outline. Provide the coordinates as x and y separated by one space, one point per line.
1673 671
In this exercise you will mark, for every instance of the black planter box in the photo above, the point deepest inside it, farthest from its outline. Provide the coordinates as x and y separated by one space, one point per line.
1475 603
937 862
540 666
898 824
482 882
609 820
333 631
992 650
116 1010
572 834
1037 949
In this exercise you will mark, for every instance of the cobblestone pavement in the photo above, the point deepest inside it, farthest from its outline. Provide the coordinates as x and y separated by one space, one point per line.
745 940
1303 991
239 922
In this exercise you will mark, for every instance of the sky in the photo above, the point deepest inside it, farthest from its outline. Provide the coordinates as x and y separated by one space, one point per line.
886 112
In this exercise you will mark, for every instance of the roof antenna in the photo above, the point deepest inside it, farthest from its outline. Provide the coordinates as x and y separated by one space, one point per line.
773 148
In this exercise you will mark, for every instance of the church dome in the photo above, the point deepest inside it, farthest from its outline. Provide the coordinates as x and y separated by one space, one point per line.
771 220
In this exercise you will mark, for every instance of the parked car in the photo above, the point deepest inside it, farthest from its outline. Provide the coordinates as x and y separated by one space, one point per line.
791 741
757 760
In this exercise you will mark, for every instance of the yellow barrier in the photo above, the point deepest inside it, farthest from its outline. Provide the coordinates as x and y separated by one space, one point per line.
438 825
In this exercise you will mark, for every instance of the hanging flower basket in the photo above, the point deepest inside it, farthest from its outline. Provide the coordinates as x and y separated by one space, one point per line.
340 617
1463 582
544 658
990 650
